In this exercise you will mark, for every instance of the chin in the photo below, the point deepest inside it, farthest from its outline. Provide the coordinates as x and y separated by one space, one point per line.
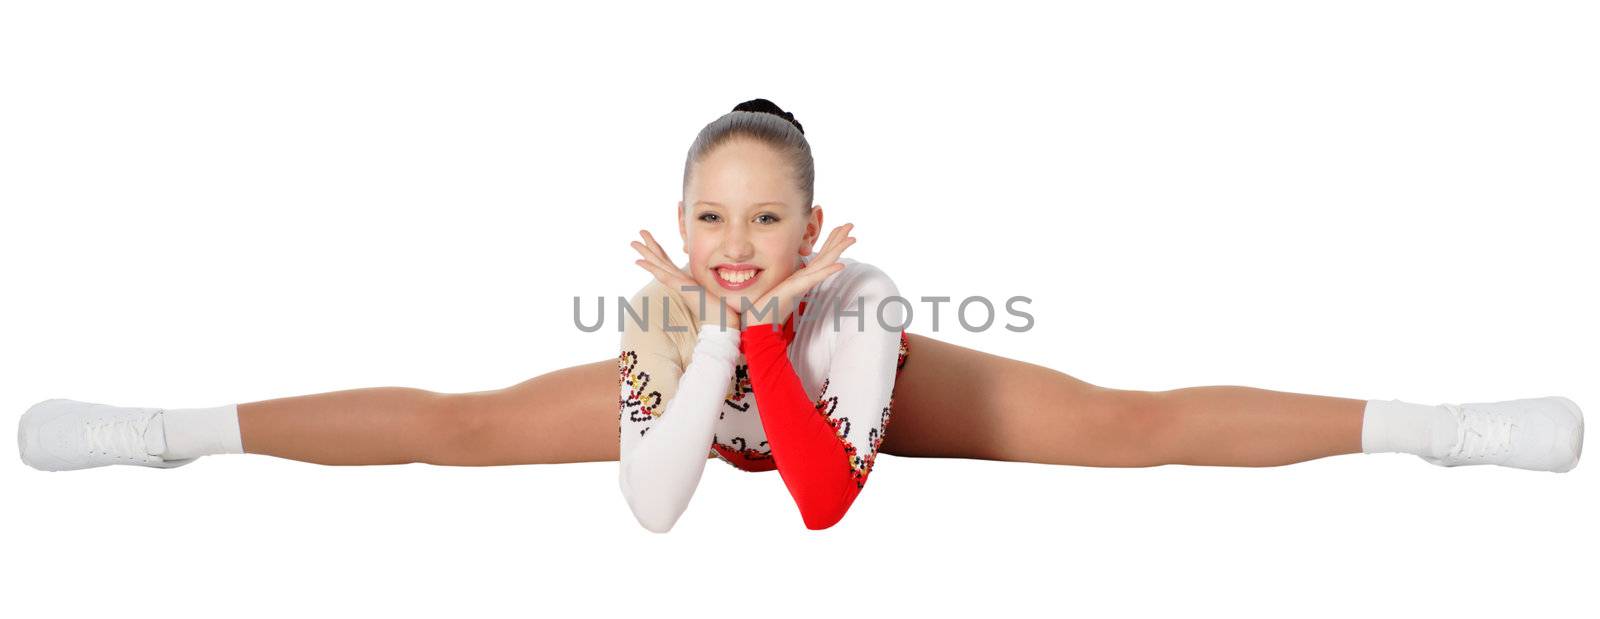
750 293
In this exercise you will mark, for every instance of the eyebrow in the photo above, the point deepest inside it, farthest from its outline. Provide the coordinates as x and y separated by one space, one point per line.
769 203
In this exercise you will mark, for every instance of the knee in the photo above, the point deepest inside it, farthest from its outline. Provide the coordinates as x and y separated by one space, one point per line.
454 427
1138 424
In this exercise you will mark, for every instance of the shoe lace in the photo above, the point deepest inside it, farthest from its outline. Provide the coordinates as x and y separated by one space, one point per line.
1480 433
122 438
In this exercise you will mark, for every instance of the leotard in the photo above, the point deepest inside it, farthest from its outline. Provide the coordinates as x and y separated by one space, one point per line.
811 399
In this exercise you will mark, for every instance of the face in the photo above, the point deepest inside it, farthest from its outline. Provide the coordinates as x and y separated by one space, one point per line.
742 221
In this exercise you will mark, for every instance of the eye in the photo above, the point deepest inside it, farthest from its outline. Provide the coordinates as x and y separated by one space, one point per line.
703 217
773 218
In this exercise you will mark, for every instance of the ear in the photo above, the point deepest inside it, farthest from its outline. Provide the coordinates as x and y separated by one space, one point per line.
683 230
813 231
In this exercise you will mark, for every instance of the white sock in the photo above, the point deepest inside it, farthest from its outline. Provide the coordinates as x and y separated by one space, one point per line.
1395 426
194 432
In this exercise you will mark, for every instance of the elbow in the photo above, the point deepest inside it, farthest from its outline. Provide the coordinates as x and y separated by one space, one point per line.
655 523
651 515
817 520
819 515
823 502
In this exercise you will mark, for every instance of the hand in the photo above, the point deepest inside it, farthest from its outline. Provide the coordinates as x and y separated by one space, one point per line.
789 291
658 264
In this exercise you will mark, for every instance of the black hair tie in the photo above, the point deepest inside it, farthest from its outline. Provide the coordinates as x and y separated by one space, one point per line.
763 105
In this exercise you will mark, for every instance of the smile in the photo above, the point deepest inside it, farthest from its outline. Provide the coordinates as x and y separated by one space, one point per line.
736 279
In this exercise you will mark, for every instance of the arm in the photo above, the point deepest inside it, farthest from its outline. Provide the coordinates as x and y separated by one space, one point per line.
665 438
825 449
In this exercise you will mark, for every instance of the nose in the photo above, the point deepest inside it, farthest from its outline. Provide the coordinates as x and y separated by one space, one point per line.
736 246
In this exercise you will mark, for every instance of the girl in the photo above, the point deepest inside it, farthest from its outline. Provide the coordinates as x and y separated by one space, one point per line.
822 446
948 402
748 229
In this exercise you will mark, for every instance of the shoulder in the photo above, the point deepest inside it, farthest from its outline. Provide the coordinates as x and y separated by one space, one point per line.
860 278
643 316
661 295
862 290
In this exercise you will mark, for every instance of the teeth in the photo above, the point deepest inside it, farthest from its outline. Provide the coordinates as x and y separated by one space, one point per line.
736 277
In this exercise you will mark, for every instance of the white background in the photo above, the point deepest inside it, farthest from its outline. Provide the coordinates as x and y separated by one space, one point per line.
207 203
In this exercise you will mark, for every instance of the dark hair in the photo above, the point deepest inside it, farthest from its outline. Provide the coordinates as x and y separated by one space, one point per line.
761 120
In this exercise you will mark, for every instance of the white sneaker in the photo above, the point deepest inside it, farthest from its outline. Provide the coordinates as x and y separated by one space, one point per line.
66 435
1540 434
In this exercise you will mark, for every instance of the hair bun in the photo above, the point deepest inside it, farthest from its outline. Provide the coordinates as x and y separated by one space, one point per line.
763 105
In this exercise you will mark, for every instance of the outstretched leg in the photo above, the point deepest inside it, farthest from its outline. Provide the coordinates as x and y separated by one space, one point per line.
569 415
956 402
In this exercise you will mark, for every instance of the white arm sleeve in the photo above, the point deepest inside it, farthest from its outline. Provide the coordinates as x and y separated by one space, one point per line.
663 452
861 376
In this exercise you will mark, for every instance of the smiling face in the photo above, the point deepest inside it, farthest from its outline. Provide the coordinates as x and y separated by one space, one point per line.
743 221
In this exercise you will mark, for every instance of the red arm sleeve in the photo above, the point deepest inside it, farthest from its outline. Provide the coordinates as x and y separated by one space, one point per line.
811 458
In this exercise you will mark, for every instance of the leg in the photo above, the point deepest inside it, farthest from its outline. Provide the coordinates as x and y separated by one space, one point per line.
950 402
568 415
957 402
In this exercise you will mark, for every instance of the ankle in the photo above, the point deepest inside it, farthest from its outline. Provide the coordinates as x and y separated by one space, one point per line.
194 432
1395 426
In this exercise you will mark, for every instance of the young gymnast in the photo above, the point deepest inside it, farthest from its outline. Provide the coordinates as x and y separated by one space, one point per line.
755 165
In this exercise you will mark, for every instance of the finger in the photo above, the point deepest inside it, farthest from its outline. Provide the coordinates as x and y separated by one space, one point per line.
643 251
836 242
803 281
799 284
656 247
822 256
825 244
671 278
810 280
844 233
653 269
653 250
831 254
652 257
832 238
839 235
647 250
